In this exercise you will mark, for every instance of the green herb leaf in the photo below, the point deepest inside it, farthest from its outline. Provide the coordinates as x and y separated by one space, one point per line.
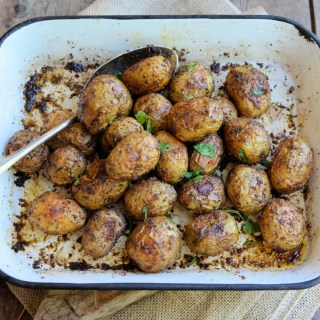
250 227
118 74
196 178
77 181
168 215
265 163
243 156
191 262
149 128
145 212
143 118
206 149
190 69
236 212
112 119
257 92
192 174
163 145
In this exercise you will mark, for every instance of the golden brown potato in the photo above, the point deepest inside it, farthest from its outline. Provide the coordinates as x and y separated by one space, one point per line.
102 231
229 110
203 195
207 164
118 130
247 140
193 119
134 156
248 188
212 233
282 225
193 80
56 214
33 161
154 245
104 98
173 163
65 165
291 166
96 189
157 107
248 88
153 196
148 75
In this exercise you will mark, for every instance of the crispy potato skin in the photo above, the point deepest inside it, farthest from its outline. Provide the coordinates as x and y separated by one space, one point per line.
193 119
240 84
207 164
102 231
56 214
154 245
204 195
64 165
228 109
173 163
248 188
157 107
118 130
157 196
247 135
148 75
212 233
96 189
291 166
104 98
193 80
134 156
283 226
33 161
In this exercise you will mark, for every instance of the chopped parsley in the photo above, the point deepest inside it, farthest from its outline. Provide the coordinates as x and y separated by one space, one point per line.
206 149
243 156
163 145
112 119
143 118
145 213
190 69
191 262
168 215
250 227
257 92
236 212
118 74
193 174
265 163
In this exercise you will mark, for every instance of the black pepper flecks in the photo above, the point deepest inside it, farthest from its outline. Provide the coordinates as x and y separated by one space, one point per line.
76 67
30 92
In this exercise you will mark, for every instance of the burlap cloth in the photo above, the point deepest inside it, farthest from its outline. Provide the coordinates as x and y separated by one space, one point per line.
200 305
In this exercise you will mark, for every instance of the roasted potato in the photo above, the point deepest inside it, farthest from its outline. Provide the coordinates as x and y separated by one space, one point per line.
212 233
56 214
228 109
247 140
118 130
64 165
193 119
282 225
248 88
148 75
134 156
173 163
193 80
102 231
154 245
96 189
291 166
33 161
248 188
203 195
151 197
157 107
104 98
207 164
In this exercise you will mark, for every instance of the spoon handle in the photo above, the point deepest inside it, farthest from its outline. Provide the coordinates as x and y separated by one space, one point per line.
8 161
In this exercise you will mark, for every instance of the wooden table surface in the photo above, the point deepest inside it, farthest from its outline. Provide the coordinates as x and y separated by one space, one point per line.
307 12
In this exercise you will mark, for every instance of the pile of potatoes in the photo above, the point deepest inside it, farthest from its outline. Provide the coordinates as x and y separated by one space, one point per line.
162 148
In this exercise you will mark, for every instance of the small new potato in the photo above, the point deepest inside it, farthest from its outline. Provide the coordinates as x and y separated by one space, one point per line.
207 164
192 120
104 98
56 214
282 225
152 195
118 130
157 107
33 161
154 245
247 140
248 88
212 233
229 110
173 163
203 195
248 188
64 165
193 80
134 156
148 75
291 166
102 231
96 189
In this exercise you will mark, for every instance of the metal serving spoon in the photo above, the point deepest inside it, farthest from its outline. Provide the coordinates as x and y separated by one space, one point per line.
116 64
